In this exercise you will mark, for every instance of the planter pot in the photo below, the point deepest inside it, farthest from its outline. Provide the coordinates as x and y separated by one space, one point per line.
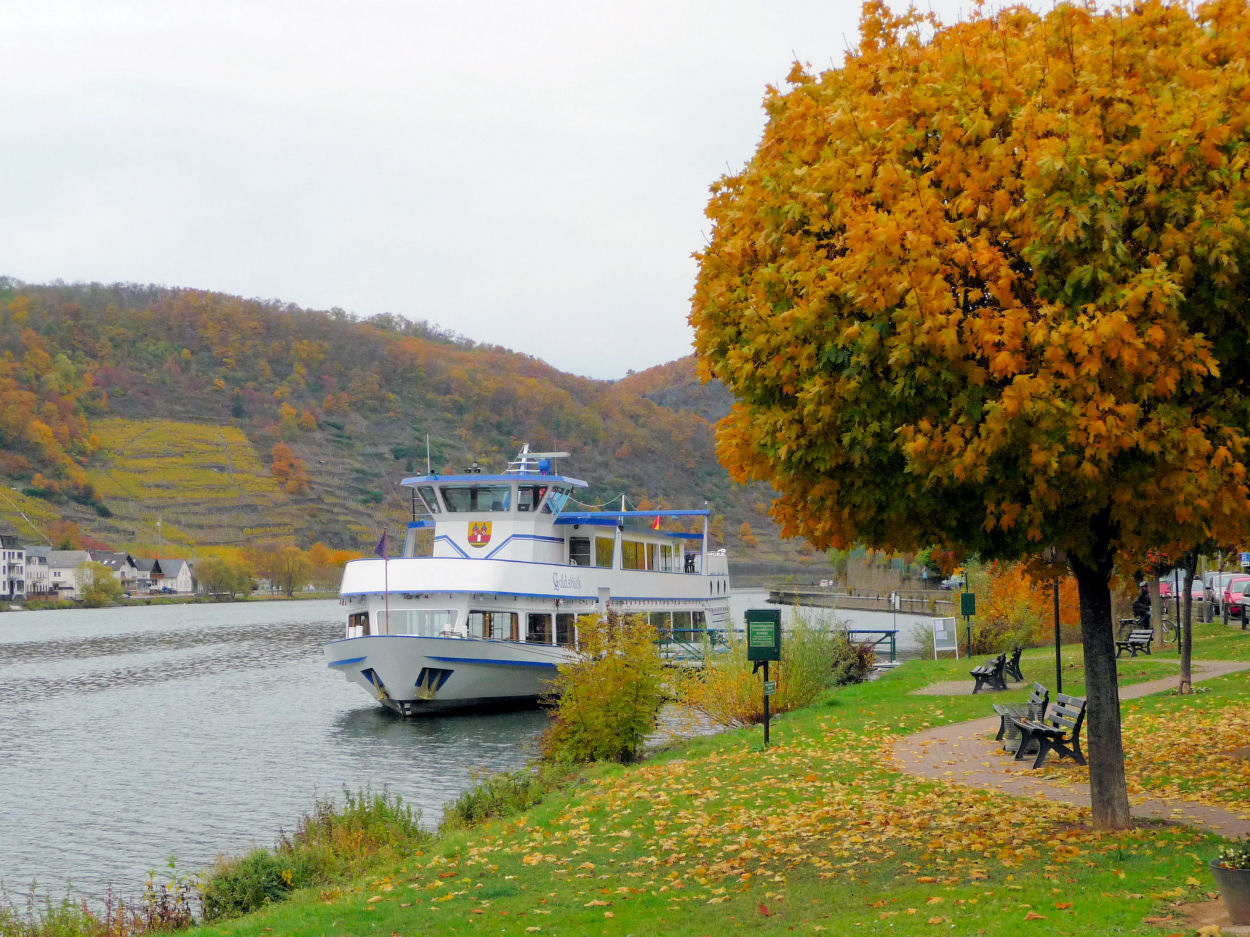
1234 885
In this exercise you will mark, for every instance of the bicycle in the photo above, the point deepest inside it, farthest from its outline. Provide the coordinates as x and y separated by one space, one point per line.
1168 632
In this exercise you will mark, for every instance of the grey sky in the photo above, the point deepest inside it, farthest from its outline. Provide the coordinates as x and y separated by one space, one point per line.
531 175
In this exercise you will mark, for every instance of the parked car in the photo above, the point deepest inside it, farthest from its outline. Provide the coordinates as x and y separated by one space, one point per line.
1235 595
1215 583
1167 587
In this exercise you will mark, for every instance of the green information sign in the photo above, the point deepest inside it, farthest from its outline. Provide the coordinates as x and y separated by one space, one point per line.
770 687
763 634
967 604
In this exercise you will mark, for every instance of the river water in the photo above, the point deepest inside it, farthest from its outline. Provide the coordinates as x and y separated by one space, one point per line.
134 734
131 735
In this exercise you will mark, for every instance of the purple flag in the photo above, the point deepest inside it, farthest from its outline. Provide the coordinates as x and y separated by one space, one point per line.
380 549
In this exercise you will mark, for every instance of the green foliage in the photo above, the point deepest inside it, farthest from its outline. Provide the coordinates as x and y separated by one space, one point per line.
239 886
609 700
852 660
332 843
223 577
814 656
1235 856
501 795
98 585
63 918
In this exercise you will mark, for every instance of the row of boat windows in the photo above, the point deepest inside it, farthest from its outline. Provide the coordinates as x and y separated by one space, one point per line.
493 498
501 626
634 554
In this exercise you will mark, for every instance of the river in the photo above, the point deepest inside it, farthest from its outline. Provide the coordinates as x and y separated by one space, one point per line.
135 734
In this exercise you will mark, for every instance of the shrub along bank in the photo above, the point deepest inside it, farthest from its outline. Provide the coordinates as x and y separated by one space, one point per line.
816 833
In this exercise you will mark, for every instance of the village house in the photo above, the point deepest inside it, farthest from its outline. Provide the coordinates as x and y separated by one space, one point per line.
12 567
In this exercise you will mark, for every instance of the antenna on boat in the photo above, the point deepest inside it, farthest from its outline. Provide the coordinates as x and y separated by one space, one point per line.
533 463
427 454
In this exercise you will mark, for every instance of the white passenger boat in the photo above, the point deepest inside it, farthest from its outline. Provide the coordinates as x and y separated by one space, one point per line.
486 619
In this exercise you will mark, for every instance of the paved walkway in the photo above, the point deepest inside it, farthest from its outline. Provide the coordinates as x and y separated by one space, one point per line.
965 753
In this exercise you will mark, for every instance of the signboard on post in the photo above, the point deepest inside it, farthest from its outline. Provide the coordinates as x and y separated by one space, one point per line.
764 645
763 634
944 637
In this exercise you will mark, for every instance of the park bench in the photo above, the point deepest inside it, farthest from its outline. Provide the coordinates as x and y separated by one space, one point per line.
1033 710
1138 640
1013 664
1060 731
990 674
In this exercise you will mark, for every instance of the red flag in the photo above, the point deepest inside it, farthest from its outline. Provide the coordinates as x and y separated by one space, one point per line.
655 524
380 549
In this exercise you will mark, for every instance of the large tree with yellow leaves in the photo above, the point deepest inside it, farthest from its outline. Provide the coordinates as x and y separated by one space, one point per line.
985 285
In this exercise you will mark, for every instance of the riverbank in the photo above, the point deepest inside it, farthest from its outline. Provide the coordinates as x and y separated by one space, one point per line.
822 831
166 599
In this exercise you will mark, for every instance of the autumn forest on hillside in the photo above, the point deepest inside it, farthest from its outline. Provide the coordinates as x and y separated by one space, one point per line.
230 421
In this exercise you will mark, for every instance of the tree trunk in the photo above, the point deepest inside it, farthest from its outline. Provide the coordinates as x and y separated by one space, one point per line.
1184 627
1156 603
1108 790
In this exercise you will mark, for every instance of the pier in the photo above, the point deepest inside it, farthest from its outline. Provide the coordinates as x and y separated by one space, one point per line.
930 603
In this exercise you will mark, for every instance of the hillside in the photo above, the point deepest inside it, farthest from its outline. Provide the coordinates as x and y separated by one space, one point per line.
231 420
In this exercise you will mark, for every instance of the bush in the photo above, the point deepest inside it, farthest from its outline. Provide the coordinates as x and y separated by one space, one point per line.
330 843
501 795
608 701
852 660
813 657
239 886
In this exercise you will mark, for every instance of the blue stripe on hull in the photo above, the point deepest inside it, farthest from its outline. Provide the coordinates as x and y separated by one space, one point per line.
494 663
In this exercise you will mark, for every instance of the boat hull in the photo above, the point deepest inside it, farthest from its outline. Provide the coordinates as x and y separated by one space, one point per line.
412 675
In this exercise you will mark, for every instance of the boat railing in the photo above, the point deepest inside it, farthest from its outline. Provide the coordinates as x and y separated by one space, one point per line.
692 645
695 645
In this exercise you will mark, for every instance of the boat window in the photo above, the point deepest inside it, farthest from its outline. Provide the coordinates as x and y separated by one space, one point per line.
566 630
424 622
681 625
579 551
697 621
666 557
650 556
478 498
429 497
604 548
530 496
358 625
555 501
662 623
538 628
495 626
632 555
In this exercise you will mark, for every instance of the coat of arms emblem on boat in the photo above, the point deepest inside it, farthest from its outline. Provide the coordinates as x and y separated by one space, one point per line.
479 533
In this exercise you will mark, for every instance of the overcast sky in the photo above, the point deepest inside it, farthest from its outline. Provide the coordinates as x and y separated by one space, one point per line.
528 174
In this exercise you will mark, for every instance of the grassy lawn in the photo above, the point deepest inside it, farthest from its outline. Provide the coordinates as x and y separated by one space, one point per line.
818 833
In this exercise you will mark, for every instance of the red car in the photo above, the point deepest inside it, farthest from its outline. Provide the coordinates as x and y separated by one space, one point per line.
1235 595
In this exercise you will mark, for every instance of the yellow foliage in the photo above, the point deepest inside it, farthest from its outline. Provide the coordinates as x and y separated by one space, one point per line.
991 270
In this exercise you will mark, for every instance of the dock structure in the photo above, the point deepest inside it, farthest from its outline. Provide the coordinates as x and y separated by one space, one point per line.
692 647
929 603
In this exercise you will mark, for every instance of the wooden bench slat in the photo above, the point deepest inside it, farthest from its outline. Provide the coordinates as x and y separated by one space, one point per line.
1138 640
990 674
1059 731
